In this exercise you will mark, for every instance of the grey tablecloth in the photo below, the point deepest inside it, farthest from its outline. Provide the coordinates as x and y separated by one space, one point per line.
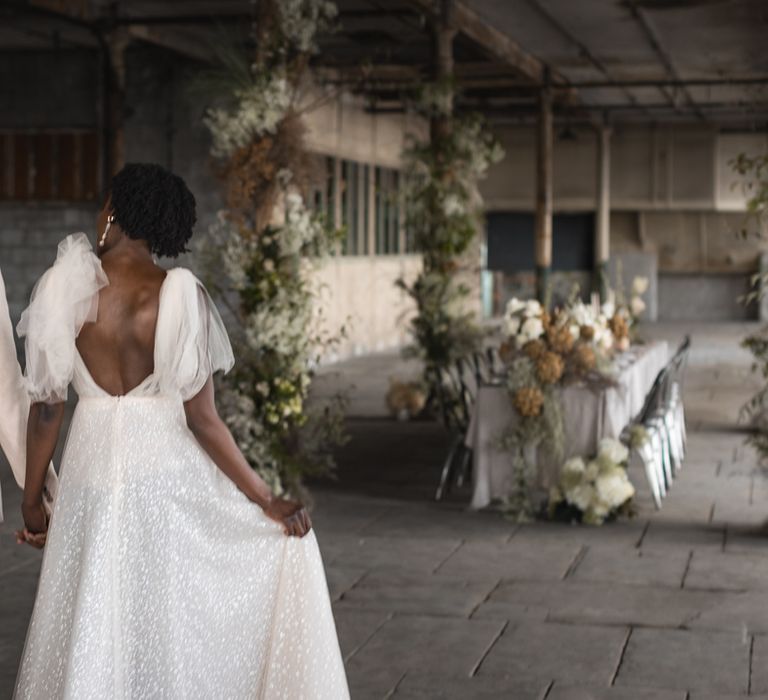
588 417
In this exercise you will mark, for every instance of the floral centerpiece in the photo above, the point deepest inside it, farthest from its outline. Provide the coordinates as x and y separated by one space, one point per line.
544 351
597 489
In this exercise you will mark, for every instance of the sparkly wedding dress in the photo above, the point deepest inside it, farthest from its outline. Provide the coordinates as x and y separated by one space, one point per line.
160 579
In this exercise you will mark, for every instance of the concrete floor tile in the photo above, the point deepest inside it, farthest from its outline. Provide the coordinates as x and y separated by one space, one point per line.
356 627
747 540
738 513
341 578
724 571
413 554
418 594
637 567
685 660
572 653
422 686
621 534
717 696
423 644
745 613
429 521
597 603
518 559
759 680
682 536
571 692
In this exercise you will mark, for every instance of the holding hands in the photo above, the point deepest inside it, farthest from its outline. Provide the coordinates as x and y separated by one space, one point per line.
35 529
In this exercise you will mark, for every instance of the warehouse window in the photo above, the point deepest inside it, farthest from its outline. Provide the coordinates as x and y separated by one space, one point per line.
49 165
365 200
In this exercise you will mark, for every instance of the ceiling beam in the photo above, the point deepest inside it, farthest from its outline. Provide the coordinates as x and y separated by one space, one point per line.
494 42
174 41
655 41
583 49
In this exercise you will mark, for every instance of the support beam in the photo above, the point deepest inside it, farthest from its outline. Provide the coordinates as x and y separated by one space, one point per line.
655 41
544 196
603 218
444 34
583 49
494 42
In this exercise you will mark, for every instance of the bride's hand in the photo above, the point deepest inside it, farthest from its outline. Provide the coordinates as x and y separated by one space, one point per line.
290 514
35 525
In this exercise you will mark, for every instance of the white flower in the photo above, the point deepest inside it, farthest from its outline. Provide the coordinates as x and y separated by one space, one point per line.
592 470
637 305
532 329
614 488
514 305
269 265
574 465
604 339
512 325
262 388
581 496
613 450
452 205
575 330
599 507
640 285
608 309
532 308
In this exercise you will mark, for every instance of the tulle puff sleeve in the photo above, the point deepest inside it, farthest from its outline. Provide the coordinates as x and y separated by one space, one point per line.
191 342
62 300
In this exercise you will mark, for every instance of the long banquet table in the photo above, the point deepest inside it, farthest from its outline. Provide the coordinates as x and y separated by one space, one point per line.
588 416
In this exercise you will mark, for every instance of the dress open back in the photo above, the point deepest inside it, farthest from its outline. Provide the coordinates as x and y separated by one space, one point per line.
160 578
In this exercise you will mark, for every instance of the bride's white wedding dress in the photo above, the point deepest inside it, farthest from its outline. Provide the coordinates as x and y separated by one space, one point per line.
160 579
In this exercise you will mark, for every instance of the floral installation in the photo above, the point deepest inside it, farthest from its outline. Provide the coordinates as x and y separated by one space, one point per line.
542 352
753 170
597 489
443 211
258 253
405 399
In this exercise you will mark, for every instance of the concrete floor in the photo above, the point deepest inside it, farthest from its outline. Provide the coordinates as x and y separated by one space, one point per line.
432 601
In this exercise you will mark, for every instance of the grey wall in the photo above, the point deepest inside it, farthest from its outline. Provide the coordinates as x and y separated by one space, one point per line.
700 297
162 125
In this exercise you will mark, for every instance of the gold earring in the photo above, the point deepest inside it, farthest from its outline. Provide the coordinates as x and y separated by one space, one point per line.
103 239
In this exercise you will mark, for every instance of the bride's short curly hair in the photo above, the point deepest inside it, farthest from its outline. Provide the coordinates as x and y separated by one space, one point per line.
152 204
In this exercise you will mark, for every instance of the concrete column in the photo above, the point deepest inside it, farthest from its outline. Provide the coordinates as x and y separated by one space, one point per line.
370 224
603 218
544 196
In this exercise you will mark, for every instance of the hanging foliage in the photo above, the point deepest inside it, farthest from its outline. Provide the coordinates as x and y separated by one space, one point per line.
443 211
263 245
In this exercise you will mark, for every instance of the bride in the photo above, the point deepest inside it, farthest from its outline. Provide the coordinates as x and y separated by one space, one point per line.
170 570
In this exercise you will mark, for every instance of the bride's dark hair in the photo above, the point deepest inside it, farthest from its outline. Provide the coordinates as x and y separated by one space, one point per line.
152 204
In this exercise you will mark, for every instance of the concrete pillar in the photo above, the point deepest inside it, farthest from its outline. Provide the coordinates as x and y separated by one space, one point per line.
543 228
603 218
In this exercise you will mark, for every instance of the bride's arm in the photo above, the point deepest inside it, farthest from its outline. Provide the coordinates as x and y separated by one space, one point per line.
43 430
215 438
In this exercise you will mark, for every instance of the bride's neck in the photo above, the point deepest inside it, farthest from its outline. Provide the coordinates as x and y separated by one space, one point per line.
128 250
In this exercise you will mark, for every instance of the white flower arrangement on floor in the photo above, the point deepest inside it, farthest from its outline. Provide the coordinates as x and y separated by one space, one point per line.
599 488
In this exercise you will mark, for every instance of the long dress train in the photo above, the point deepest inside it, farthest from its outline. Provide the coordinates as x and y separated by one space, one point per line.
160 579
